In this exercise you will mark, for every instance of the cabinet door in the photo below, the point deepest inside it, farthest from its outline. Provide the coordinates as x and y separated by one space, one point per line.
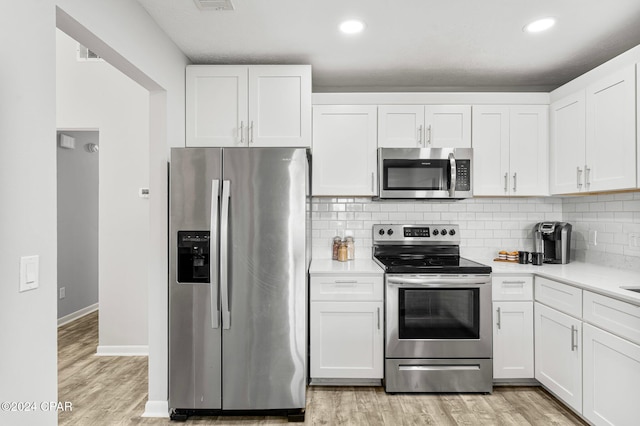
558 354
401 126
529 150
447 126
611 378
280 105
344 150
216 105
346 340
611 137
513 340
567 144
490 150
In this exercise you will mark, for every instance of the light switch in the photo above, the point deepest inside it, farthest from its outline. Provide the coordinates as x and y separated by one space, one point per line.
29 272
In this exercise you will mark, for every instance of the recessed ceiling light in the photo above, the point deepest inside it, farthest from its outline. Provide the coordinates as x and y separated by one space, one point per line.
540 25
352 26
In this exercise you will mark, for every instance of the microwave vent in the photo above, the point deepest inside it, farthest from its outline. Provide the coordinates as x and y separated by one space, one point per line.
216 5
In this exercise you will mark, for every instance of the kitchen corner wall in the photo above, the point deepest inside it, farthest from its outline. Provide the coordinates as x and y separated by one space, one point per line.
488 225
613 217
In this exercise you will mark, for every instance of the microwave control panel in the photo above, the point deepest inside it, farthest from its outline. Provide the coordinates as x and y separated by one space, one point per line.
463 175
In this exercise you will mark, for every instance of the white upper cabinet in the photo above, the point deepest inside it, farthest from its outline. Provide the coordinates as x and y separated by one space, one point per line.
593 137
567 144
529 150
401 126
430 126
510 150
216 105
264 105
611 132
447 126
344 150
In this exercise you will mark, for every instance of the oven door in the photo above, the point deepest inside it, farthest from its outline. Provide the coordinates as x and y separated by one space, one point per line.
438 316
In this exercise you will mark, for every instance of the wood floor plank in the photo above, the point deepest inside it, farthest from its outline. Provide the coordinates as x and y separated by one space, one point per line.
113 391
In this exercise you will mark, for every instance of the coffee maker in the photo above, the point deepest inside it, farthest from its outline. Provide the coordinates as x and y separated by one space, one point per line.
553 240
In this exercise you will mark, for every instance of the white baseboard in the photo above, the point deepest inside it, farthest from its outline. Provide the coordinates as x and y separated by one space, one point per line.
77 314
156 409
130 350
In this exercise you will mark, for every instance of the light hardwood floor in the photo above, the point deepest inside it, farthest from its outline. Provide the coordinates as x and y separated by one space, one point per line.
113 391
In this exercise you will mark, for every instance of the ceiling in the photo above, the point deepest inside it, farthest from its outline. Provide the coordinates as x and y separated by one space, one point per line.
408 45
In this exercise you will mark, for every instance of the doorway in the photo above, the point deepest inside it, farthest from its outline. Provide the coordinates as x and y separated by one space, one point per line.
77 189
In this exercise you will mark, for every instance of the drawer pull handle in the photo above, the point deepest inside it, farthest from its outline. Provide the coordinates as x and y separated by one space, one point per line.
378 318
499 322
513 282
346 282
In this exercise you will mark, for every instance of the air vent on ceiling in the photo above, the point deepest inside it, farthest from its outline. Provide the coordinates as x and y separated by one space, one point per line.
214 4
85 54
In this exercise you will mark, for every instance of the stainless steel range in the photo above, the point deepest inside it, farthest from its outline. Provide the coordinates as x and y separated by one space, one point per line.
437 311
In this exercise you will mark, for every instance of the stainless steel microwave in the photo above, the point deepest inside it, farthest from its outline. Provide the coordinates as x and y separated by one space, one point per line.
425 172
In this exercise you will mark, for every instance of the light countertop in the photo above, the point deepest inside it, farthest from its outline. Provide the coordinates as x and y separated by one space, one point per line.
599 279
356 266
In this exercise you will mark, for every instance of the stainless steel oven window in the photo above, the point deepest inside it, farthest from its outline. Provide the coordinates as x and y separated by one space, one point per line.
439 313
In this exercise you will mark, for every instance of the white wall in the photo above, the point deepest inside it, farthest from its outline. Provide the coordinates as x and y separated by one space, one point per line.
93 94
28 367
124 34
77 172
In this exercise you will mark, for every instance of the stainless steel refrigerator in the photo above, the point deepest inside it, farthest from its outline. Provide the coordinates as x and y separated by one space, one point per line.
238 280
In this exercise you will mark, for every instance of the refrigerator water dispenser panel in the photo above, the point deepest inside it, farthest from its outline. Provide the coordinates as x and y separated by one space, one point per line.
193 257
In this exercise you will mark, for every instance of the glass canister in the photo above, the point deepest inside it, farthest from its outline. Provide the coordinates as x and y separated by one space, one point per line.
342 252
336 245
351 248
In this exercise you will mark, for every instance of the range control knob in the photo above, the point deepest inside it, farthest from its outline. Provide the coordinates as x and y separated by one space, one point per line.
436 232
443 232
390 231
452 232
381 232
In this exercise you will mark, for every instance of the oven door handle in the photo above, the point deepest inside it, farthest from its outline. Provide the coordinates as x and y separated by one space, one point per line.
441 282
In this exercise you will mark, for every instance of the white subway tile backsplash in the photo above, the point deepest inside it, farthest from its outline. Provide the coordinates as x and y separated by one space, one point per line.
491 224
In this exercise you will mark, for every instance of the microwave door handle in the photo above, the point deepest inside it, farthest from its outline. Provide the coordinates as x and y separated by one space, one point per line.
452 187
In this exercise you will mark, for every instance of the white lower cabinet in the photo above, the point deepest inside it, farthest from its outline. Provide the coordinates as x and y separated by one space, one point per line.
558 354
346 340
512 327
611 378
513 340
346 328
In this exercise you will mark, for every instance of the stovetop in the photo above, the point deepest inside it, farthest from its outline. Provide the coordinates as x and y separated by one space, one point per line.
422 249
427 265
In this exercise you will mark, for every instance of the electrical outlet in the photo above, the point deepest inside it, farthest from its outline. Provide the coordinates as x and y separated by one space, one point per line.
593 237
634 240
62 293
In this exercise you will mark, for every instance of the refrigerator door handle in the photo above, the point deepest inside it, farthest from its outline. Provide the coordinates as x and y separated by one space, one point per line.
224 260
213 258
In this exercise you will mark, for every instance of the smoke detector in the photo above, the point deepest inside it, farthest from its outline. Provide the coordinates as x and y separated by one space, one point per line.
214 4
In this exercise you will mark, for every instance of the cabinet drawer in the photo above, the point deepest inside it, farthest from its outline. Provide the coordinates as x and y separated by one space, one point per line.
347 287
562 297
613 315
512 288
